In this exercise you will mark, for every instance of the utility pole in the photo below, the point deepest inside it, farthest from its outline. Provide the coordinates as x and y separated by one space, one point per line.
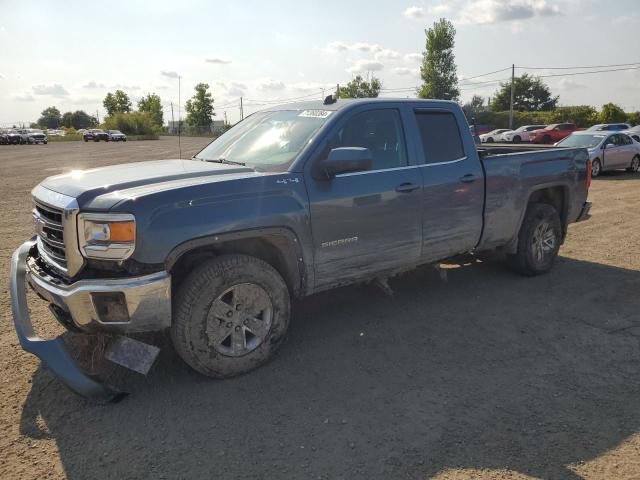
225 118
337 90
513 77
179 120
241 110
173 122
97 116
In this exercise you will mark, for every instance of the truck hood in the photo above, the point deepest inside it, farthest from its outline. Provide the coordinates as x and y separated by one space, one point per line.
112 183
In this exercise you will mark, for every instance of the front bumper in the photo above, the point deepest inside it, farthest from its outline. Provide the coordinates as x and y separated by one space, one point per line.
147 298
142 304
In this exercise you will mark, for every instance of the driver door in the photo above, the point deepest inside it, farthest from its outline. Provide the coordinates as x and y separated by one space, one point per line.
367 221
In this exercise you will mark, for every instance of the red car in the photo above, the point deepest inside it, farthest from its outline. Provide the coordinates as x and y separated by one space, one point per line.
553 133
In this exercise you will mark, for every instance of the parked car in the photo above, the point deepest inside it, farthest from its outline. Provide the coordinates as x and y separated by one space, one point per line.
10 136
633 132
293 200
493 136
32 136
607 151
552 133
96 135
521 134
116 136
56 133
609 127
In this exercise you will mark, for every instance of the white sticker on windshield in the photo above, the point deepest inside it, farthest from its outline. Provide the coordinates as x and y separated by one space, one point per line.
315 113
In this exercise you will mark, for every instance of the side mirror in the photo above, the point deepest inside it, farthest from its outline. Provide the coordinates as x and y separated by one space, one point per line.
345 160
609 145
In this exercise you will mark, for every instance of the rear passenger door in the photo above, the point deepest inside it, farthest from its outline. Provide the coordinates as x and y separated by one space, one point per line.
453 193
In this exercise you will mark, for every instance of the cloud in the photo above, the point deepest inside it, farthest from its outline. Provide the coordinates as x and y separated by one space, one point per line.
333 47
93 84
1 76
270 85
234 89
439 9
414 12
482 12
120 86
308 86
413 57
387 54
362 66
218 59
23 97
406 71
169 73
55 90
570 84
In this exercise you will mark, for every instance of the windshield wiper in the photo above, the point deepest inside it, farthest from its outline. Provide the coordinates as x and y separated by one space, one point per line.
228 162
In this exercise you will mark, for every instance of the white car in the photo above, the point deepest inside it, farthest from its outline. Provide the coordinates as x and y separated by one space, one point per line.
607 150
520 134
493 136
633 132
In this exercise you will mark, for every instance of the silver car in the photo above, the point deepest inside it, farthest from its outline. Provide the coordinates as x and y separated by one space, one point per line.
607 150
633 132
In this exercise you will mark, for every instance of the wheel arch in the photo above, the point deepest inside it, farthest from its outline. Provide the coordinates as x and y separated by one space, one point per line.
556 195
278 246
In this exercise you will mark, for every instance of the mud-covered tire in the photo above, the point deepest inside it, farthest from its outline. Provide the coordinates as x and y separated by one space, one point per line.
196 325
538 240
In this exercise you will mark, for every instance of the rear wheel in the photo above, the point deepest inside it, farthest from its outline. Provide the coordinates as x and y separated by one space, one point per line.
635 164
546 140
538 241
596 168
231 315
490 140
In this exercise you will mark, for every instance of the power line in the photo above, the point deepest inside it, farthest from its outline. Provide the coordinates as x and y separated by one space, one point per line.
485 74
587 73
580 68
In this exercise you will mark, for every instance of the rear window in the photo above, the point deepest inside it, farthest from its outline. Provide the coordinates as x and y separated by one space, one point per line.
440 136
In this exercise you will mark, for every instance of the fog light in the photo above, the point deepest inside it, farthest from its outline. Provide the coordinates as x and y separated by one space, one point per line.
111 307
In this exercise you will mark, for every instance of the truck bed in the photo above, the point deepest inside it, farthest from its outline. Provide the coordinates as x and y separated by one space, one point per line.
511 177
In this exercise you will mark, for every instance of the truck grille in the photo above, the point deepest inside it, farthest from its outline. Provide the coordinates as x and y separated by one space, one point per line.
50 234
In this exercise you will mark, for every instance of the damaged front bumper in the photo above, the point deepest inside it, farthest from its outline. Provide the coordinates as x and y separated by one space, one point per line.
141 304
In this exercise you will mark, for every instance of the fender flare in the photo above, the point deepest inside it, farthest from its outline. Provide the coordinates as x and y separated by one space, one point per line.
296 263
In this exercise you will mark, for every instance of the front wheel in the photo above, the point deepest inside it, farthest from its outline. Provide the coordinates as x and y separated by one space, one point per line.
231 315
635 165
538 241
596 168
517 139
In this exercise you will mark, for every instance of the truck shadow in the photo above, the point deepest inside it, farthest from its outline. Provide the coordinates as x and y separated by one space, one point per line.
488 370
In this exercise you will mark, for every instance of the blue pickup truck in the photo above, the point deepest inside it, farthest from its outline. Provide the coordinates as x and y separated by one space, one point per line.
292 200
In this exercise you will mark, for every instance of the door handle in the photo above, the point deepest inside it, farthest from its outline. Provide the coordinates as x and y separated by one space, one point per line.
468 178
407 187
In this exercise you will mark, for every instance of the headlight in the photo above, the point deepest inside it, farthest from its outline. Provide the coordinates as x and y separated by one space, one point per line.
107 236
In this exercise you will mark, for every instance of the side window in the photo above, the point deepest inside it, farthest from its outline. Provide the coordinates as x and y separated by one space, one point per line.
381 132
626 140
440 136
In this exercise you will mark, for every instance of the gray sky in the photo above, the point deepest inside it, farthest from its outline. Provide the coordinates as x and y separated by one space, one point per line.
70 54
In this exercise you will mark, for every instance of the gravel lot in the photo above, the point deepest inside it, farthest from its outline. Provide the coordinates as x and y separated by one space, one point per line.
487 375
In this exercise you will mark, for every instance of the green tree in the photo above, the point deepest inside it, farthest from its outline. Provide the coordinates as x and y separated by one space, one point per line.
438 70
531 94
612 113
133 123
581 115
117 102
50 118
78 119
153 105
360 88
473 107
633 118
200 107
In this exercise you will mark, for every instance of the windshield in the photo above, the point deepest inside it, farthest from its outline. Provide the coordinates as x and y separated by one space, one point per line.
587 141
266 140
